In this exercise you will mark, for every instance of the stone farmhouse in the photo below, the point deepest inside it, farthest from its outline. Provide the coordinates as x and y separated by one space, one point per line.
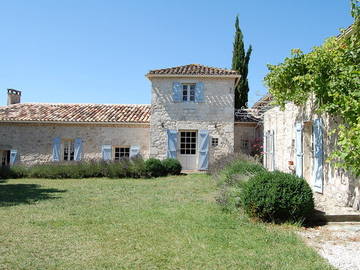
191 118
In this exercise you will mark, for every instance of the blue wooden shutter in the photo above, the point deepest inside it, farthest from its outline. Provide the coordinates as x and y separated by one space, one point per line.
272 137
134 151
172 143
318 173
203 149
177 92
106 152
78 149
199 92
13 156
299 149
56 149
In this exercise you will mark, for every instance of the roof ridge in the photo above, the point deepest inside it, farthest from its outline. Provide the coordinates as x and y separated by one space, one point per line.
194 69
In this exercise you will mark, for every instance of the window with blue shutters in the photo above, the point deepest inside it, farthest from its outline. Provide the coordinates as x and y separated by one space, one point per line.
188 92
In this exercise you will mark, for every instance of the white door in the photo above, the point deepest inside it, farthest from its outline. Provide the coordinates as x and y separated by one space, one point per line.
188 152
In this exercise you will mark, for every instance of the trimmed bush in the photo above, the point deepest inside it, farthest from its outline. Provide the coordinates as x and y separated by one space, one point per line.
172 166
277 197
125 168
154 168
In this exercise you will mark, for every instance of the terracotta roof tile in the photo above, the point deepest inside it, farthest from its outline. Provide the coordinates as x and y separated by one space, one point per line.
75 113
193 69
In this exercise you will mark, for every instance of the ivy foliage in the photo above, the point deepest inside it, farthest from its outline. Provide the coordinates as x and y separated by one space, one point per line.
331 74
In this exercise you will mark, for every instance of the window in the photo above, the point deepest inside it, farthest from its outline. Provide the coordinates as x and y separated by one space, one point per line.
215 142
121 152
188 92
68 153
188 142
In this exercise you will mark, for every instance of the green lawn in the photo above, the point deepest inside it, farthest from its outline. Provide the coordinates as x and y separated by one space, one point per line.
167 223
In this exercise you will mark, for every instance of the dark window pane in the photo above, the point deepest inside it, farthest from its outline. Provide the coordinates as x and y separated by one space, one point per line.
193 152
182 151
193 140
192 87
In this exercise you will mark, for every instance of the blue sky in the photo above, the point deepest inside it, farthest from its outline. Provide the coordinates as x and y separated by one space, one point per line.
77 51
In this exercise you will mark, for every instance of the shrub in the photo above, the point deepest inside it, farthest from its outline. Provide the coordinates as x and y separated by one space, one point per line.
154 168
13 172
172 166
278 197
137 168
240 171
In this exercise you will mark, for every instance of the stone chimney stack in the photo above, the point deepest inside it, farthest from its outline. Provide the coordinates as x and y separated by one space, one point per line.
14 96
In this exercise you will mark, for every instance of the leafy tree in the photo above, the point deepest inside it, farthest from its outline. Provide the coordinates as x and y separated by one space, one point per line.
240 62
331 74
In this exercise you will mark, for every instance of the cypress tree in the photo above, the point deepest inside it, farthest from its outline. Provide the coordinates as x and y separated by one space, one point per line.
240 62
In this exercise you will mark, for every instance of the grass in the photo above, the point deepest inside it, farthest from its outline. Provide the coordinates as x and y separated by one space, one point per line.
166 223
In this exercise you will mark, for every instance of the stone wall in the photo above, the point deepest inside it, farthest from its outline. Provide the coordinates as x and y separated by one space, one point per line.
215 114
340 189
34 141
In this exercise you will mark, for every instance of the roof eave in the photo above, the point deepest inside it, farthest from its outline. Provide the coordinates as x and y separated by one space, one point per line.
149 76
71 122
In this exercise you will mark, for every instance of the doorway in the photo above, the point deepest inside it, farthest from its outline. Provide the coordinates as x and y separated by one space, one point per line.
4 158
188 150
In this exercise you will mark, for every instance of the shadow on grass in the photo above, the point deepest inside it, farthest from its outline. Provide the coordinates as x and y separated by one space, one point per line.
14 194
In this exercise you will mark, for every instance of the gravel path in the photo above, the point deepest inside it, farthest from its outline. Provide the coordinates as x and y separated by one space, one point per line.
338 243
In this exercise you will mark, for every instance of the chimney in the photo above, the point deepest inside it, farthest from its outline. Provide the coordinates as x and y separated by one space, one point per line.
14 96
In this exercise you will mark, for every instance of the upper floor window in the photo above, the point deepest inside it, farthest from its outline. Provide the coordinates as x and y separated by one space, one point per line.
69 150
188 92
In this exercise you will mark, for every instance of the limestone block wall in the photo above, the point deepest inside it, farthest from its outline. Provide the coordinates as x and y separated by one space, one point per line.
215 114
34 142
340 188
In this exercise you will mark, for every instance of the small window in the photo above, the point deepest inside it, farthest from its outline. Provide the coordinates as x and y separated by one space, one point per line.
121 152
188 92
188 143
68 153
215 142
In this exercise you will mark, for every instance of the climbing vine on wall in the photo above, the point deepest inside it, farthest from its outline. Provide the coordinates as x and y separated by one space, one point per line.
330 73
